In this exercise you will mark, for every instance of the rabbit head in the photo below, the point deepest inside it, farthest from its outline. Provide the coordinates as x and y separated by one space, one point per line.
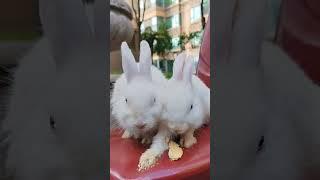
135 102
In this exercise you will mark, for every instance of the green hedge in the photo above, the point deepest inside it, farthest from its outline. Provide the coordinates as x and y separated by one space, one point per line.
168 75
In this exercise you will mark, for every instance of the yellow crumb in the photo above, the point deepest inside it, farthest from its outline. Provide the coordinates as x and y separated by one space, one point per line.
175 152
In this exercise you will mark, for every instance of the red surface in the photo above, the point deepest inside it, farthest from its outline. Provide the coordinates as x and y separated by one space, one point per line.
203 70
299 34
125 154
195 162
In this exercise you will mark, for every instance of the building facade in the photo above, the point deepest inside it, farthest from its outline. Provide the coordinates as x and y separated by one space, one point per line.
180 17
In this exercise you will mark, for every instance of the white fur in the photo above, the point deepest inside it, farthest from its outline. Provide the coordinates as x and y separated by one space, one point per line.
58 79
140 93
177 96
181 91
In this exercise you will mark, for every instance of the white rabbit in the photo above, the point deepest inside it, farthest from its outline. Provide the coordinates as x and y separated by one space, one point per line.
57 113
186 101
134 100
246 97
186 106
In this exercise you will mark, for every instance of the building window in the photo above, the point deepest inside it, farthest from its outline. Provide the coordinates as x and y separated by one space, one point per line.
195 14
142 27
141 4
196 41
170 2
152 2
154 24
206 6
175 42
173 21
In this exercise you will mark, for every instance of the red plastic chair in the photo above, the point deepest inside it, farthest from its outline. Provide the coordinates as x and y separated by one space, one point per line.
195 162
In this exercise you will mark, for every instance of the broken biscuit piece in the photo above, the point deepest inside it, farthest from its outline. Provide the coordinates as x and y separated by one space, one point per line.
175 152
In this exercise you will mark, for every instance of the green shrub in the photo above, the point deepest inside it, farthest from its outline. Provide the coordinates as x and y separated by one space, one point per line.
168 75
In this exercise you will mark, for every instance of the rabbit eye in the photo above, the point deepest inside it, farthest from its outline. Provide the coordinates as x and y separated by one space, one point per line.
52 122
154 100
126 100
191 107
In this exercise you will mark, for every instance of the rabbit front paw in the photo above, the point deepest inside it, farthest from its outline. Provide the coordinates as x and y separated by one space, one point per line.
126 135
188 141
147 159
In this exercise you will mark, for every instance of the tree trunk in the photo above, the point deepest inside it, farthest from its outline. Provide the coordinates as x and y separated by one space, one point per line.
139 33
203 19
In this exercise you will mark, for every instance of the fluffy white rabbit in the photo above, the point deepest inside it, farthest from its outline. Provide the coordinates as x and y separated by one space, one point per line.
135 103
57 114
186 101
186 107
245 100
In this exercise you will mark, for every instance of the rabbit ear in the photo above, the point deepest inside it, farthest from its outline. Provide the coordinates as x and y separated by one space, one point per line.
66 26
100 20
145 59
129 65
178 66
187 70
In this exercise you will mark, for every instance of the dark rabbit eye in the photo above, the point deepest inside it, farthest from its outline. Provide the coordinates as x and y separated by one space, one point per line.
52 122
126 100
154 100
191 107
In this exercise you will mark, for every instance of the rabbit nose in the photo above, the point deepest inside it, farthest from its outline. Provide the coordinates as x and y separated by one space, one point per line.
140 125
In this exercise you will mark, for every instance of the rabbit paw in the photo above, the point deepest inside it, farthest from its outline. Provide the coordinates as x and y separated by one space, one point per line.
188 141
147 159
126 134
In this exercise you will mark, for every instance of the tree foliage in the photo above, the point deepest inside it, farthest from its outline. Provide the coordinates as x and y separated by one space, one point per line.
159 41
186 38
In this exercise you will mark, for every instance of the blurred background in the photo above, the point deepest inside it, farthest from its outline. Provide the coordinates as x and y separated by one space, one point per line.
173 26
169 26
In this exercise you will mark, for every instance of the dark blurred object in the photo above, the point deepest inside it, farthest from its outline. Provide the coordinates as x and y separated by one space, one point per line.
121 28
299 34
19 16
203 69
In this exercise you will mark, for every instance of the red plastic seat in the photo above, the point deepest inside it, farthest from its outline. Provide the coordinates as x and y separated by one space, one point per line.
195 162
203 70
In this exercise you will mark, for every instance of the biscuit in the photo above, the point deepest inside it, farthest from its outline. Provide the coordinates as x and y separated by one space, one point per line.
175 152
